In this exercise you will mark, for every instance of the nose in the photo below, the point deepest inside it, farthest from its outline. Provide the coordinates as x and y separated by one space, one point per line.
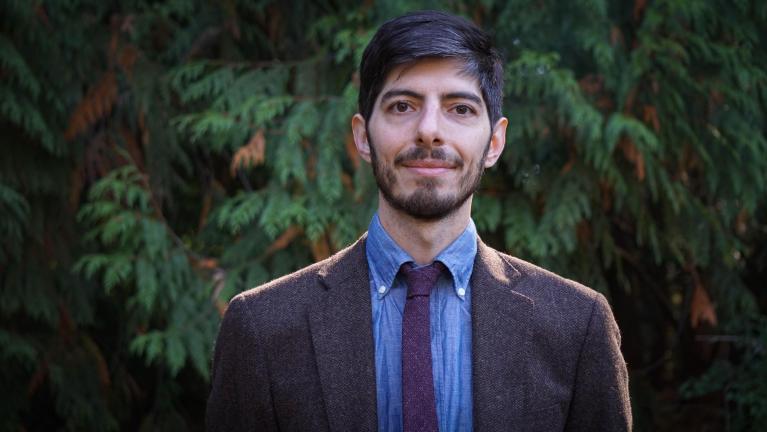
429 129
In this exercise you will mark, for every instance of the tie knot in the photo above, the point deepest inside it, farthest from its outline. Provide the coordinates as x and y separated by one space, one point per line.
420 280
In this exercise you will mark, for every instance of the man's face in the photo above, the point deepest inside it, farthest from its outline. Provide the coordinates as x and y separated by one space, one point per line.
429 138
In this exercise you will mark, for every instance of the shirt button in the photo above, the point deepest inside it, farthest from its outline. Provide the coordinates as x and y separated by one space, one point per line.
381 289
461 292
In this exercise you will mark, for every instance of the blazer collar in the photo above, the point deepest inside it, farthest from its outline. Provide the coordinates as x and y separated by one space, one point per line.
501 333
342 336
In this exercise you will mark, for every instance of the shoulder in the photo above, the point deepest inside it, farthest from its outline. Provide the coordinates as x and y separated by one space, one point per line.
533 281
556 299
563 312
295 291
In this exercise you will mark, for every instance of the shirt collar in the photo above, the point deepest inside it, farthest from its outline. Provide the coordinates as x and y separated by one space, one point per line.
386 257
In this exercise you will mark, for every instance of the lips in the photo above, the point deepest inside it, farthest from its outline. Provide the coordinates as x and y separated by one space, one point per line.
428 163
428 167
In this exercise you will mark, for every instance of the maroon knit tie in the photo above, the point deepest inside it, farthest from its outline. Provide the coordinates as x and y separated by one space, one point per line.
419 408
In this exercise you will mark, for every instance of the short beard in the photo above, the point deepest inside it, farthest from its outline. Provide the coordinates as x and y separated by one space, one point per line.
424 203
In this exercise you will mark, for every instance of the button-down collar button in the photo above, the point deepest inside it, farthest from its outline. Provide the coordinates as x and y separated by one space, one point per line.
381 289
461 292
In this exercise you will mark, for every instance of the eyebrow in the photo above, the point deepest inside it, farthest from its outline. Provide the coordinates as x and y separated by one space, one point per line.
452 95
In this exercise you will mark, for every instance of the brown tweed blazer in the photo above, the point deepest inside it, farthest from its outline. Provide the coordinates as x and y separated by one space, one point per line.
296 354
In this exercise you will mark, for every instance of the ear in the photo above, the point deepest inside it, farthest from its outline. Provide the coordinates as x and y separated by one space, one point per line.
497 142
361 136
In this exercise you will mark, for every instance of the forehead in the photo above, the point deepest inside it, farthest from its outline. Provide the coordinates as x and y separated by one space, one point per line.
432 76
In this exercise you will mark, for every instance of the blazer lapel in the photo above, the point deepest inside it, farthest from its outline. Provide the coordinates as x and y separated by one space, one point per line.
343 341
500 335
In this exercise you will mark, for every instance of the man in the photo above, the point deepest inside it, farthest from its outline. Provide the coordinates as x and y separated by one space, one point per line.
419 325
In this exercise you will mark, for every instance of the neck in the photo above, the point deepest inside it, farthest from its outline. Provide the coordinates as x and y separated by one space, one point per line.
423 240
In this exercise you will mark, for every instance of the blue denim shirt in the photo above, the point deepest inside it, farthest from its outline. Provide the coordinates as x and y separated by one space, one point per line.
450 315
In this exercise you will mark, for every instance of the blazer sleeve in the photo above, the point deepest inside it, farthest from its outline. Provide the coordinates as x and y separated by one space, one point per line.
239 398
600 396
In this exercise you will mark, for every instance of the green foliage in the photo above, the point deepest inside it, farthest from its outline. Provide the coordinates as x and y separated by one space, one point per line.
740 381
14 211
154 272
219 157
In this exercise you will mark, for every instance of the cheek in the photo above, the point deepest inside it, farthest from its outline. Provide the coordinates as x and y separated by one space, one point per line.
387 141
472 145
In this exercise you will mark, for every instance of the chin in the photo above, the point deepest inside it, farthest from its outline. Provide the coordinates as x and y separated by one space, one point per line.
425 206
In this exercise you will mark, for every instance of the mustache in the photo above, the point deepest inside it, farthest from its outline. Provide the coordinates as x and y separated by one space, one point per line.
434 153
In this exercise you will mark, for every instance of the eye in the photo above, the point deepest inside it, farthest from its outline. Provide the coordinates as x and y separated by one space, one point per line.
463 110
401 107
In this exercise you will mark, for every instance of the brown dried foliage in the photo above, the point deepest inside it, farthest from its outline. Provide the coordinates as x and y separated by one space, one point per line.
634 156
320 248
283 240
251 154
96 105
650 116
701 308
